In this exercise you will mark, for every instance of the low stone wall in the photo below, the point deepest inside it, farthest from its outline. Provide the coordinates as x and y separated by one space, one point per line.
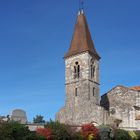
33 127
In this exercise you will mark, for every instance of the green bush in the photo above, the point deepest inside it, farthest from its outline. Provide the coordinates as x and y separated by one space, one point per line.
59 131
89 132
121 134
91 137
16 131
138 134
76 136
13 131
133 135
105 132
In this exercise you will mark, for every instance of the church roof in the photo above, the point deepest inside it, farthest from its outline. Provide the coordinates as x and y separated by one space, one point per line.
123 88
137 88
81 40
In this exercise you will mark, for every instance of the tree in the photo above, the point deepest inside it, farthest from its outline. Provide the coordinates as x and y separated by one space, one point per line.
38 119
46 133
59 131
13 131
89 131
106 132
121 134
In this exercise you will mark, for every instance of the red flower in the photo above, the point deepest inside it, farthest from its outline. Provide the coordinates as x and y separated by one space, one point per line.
45 132
89 129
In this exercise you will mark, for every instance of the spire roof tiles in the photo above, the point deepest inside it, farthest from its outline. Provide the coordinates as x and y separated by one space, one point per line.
81 40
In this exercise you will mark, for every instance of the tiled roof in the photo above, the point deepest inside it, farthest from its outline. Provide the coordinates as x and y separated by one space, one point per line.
138 117
81 40
137 88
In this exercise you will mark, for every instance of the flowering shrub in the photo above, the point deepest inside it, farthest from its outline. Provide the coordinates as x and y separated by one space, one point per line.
90 137
60 131
105 132
133 135
138 134
45 132
89 132
121 134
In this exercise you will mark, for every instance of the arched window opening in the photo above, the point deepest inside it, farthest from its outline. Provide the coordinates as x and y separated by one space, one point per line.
93 91
76 62
76 70
76 92
92 70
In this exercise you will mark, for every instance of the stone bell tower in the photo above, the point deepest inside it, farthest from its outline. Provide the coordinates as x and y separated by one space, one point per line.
82 65
81 77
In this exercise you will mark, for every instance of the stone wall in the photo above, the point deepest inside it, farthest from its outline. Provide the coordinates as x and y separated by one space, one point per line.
82 114
121 104
82 94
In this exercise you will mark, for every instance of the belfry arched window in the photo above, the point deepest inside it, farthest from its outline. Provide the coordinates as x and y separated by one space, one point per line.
92 70
76 70
93 91
76 92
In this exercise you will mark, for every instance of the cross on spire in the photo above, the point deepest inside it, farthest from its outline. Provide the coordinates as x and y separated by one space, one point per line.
81 40
81 5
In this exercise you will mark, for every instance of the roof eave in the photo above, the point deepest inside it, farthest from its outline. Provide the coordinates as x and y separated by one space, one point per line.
67 55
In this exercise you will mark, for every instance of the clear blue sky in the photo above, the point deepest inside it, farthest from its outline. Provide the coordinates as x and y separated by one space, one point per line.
35 35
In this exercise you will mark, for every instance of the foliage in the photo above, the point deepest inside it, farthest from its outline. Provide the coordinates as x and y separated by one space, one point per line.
121 134
16 131
89 131
45 132
133 135
13 131
38 119
33 136
74 133
91 137
138 134
77 136
59 131
40 138
105 132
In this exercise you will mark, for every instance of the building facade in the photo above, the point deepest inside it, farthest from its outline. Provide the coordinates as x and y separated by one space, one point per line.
83 104
123 106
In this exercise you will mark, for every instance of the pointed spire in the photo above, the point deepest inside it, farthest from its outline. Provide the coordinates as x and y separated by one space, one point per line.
81 40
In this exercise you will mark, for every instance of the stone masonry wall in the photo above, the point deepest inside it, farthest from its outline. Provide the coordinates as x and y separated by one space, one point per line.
83 107
121 102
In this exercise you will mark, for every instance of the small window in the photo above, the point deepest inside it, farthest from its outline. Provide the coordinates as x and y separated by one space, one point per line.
76 63
91 71
76 70
93 91
76 92
92 67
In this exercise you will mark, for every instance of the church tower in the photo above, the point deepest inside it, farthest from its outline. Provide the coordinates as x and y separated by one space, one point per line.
81 77
82 65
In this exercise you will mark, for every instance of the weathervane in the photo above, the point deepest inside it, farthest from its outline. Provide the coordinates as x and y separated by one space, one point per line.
81 5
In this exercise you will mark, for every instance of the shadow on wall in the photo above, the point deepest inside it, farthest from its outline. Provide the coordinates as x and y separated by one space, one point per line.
105 102
113 121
